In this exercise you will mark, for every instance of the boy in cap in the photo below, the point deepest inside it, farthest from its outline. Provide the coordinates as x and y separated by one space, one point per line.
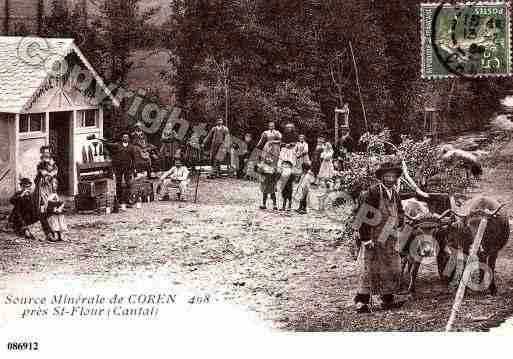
23 214
378 260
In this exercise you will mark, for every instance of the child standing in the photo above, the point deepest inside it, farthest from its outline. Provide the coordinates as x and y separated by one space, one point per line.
326 172
287 182
55 217
269 179
306 180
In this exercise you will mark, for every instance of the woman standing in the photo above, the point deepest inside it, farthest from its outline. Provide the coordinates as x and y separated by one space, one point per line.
327 171
169 149
45 186
288 142
378 259
271 141
316 157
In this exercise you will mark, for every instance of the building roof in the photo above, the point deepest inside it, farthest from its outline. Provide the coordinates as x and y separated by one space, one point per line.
25 66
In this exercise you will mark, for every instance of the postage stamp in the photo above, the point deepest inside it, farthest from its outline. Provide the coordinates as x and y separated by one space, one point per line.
471 39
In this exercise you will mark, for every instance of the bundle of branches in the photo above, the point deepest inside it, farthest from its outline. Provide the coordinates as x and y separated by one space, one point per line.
422 159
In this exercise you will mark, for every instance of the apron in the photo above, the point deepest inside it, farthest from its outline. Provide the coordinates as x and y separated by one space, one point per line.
380 266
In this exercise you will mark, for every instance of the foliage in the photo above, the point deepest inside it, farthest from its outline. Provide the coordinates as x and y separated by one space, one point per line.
422 158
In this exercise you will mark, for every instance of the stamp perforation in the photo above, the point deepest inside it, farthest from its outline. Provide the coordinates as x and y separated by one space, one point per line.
427 45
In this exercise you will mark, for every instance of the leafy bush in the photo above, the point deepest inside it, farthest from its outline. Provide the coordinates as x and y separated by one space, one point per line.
422 158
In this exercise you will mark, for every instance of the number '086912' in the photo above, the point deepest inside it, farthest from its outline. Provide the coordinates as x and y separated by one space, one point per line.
23 346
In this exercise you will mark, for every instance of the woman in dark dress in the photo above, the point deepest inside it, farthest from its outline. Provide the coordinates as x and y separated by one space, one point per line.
288 143
316 157
170 148
45 185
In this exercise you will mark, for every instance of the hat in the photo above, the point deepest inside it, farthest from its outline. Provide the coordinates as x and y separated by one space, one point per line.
25 182
287 162
389 167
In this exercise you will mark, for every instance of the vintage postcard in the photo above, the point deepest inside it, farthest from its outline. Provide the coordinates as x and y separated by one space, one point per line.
258 178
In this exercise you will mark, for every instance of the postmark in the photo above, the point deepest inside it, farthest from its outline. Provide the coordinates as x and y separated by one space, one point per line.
469 40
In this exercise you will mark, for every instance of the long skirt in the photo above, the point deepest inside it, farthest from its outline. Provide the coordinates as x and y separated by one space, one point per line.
273 150
43 190
379 268
269 183
57 223
327 171
316 164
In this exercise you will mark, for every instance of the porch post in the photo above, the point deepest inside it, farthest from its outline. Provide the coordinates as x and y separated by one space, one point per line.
47 128
16 159
73 170
100 120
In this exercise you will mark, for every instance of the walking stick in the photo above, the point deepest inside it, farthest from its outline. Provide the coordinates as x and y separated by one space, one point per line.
197 180
466 273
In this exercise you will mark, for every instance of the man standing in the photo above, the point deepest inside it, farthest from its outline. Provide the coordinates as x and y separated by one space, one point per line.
140 140
123 162
378 260
219 140
244 157
23 213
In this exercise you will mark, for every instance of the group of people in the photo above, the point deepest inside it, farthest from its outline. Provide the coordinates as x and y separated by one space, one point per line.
285 159
40 201
124 158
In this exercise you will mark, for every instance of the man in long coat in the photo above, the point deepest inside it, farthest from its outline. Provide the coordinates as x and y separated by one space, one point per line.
379 260
219 140
123 162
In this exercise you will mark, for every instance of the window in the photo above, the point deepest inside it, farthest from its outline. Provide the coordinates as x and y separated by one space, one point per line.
32 122
87 118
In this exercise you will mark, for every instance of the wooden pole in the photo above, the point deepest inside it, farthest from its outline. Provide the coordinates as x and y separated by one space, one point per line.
358 85
466 273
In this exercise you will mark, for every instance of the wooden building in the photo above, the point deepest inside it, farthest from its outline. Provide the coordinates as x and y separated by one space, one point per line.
40 107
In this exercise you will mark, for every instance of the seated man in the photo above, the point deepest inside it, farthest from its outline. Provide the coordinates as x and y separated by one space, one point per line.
23 213
177 177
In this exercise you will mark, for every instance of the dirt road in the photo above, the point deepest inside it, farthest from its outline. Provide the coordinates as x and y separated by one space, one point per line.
287 268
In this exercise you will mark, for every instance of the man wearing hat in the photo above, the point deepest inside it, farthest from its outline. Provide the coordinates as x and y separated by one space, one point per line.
378 260
140 141
23 213
219 140
123 162
177 177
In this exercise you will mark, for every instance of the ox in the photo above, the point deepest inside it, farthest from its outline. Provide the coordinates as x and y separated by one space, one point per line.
462 233
444 234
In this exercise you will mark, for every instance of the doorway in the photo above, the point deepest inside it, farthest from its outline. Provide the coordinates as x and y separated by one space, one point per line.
60 141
